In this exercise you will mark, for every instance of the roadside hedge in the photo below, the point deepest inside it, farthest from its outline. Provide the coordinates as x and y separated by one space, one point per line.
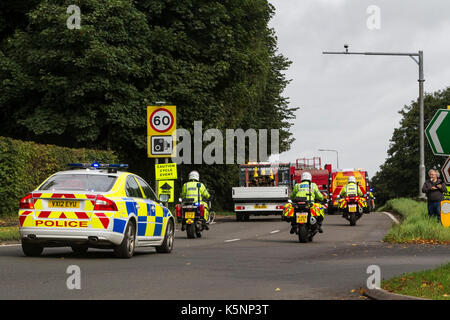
24 165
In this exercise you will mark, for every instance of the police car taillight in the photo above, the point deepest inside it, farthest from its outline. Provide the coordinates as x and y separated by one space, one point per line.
27 202
104 204
178 210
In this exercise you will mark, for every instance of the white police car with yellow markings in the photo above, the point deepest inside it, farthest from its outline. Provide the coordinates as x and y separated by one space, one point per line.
95 206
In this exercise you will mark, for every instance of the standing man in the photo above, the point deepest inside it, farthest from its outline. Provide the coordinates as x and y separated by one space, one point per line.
434 188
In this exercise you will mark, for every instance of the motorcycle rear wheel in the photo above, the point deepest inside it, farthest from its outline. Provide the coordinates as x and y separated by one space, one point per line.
302 234
190 231
353 220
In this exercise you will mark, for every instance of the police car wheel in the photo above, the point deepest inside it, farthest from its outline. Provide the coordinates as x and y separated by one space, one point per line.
126 249
32 249
167 245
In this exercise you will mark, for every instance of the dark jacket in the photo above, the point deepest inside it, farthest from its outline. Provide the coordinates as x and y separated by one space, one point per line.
434 195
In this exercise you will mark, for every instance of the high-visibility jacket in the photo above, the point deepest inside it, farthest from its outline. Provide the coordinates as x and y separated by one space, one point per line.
190 190
308 190
351 189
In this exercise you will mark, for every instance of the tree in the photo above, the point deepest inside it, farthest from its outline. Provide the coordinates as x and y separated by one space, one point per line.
13 15
216 61
399 175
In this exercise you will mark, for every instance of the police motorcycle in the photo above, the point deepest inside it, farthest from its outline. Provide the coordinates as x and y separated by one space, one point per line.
370 200
303 221
191 214
352 208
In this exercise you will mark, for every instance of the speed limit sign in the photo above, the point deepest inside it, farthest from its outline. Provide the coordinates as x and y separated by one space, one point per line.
161 128
161 120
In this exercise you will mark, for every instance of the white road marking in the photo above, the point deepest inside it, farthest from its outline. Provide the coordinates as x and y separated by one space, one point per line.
274 231
392 217
232 240
213 222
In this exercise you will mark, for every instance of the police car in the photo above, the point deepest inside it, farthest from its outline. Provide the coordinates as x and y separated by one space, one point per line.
97 206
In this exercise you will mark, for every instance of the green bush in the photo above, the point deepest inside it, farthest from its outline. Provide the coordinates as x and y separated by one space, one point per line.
24 165
416 225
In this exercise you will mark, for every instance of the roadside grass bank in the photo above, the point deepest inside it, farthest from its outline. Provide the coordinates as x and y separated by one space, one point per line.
429 284
416 226
9 234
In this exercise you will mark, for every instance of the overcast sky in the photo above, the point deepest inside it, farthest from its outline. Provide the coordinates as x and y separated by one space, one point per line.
351 103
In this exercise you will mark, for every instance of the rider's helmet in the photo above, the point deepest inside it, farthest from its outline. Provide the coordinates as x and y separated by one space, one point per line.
306 176
351 179
194 175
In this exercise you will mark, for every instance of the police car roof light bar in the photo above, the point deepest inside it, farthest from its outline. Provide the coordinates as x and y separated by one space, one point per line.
97 165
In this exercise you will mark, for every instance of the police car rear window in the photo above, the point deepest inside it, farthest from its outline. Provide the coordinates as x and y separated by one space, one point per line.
81 182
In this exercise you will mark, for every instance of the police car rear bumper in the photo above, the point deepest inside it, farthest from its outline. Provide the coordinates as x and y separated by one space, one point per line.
69 236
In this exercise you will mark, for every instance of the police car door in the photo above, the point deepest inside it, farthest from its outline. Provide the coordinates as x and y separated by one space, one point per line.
136 204
156 213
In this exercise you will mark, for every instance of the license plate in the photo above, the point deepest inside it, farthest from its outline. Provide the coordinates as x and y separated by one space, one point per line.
189 215
352 208
63 204
260 206
302 217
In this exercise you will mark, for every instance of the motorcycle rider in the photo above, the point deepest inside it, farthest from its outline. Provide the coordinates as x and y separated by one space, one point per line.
190 190
351 189
309 190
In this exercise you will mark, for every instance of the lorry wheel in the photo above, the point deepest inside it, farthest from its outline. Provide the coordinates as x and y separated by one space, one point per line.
238 216
190 231
32 249
246 217
302 233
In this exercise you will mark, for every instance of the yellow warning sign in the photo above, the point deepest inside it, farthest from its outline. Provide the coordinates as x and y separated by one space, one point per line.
166 187
445 213
165 171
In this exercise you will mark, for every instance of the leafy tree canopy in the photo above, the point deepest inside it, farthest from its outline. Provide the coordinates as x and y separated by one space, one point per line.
217 61
399 175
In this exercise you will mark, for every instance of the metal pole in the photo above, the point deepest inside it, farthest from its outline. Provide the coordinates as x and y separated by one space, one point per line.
421 126
337 159
421 102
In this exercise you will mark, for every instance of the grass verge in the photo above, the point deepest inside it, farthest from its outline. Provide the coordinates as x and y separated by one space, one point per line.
9 233
416 226
430 284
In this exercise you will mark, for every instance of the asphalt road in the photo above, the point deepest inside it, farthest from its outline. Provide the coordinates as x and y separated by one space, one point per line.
257 259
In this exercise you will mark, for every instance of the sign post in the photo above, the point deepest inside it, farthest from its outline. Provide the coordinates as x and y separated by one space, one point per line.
161 130
161 143
166 187
438 133
446 171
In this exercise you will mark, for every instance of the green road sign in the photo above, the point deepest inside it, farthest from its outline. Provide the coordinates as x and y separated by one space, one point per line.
438 133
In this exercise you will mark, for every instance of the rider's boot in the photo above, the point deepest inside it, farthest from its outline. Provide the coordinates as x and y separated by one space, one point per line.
292 229
319 228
